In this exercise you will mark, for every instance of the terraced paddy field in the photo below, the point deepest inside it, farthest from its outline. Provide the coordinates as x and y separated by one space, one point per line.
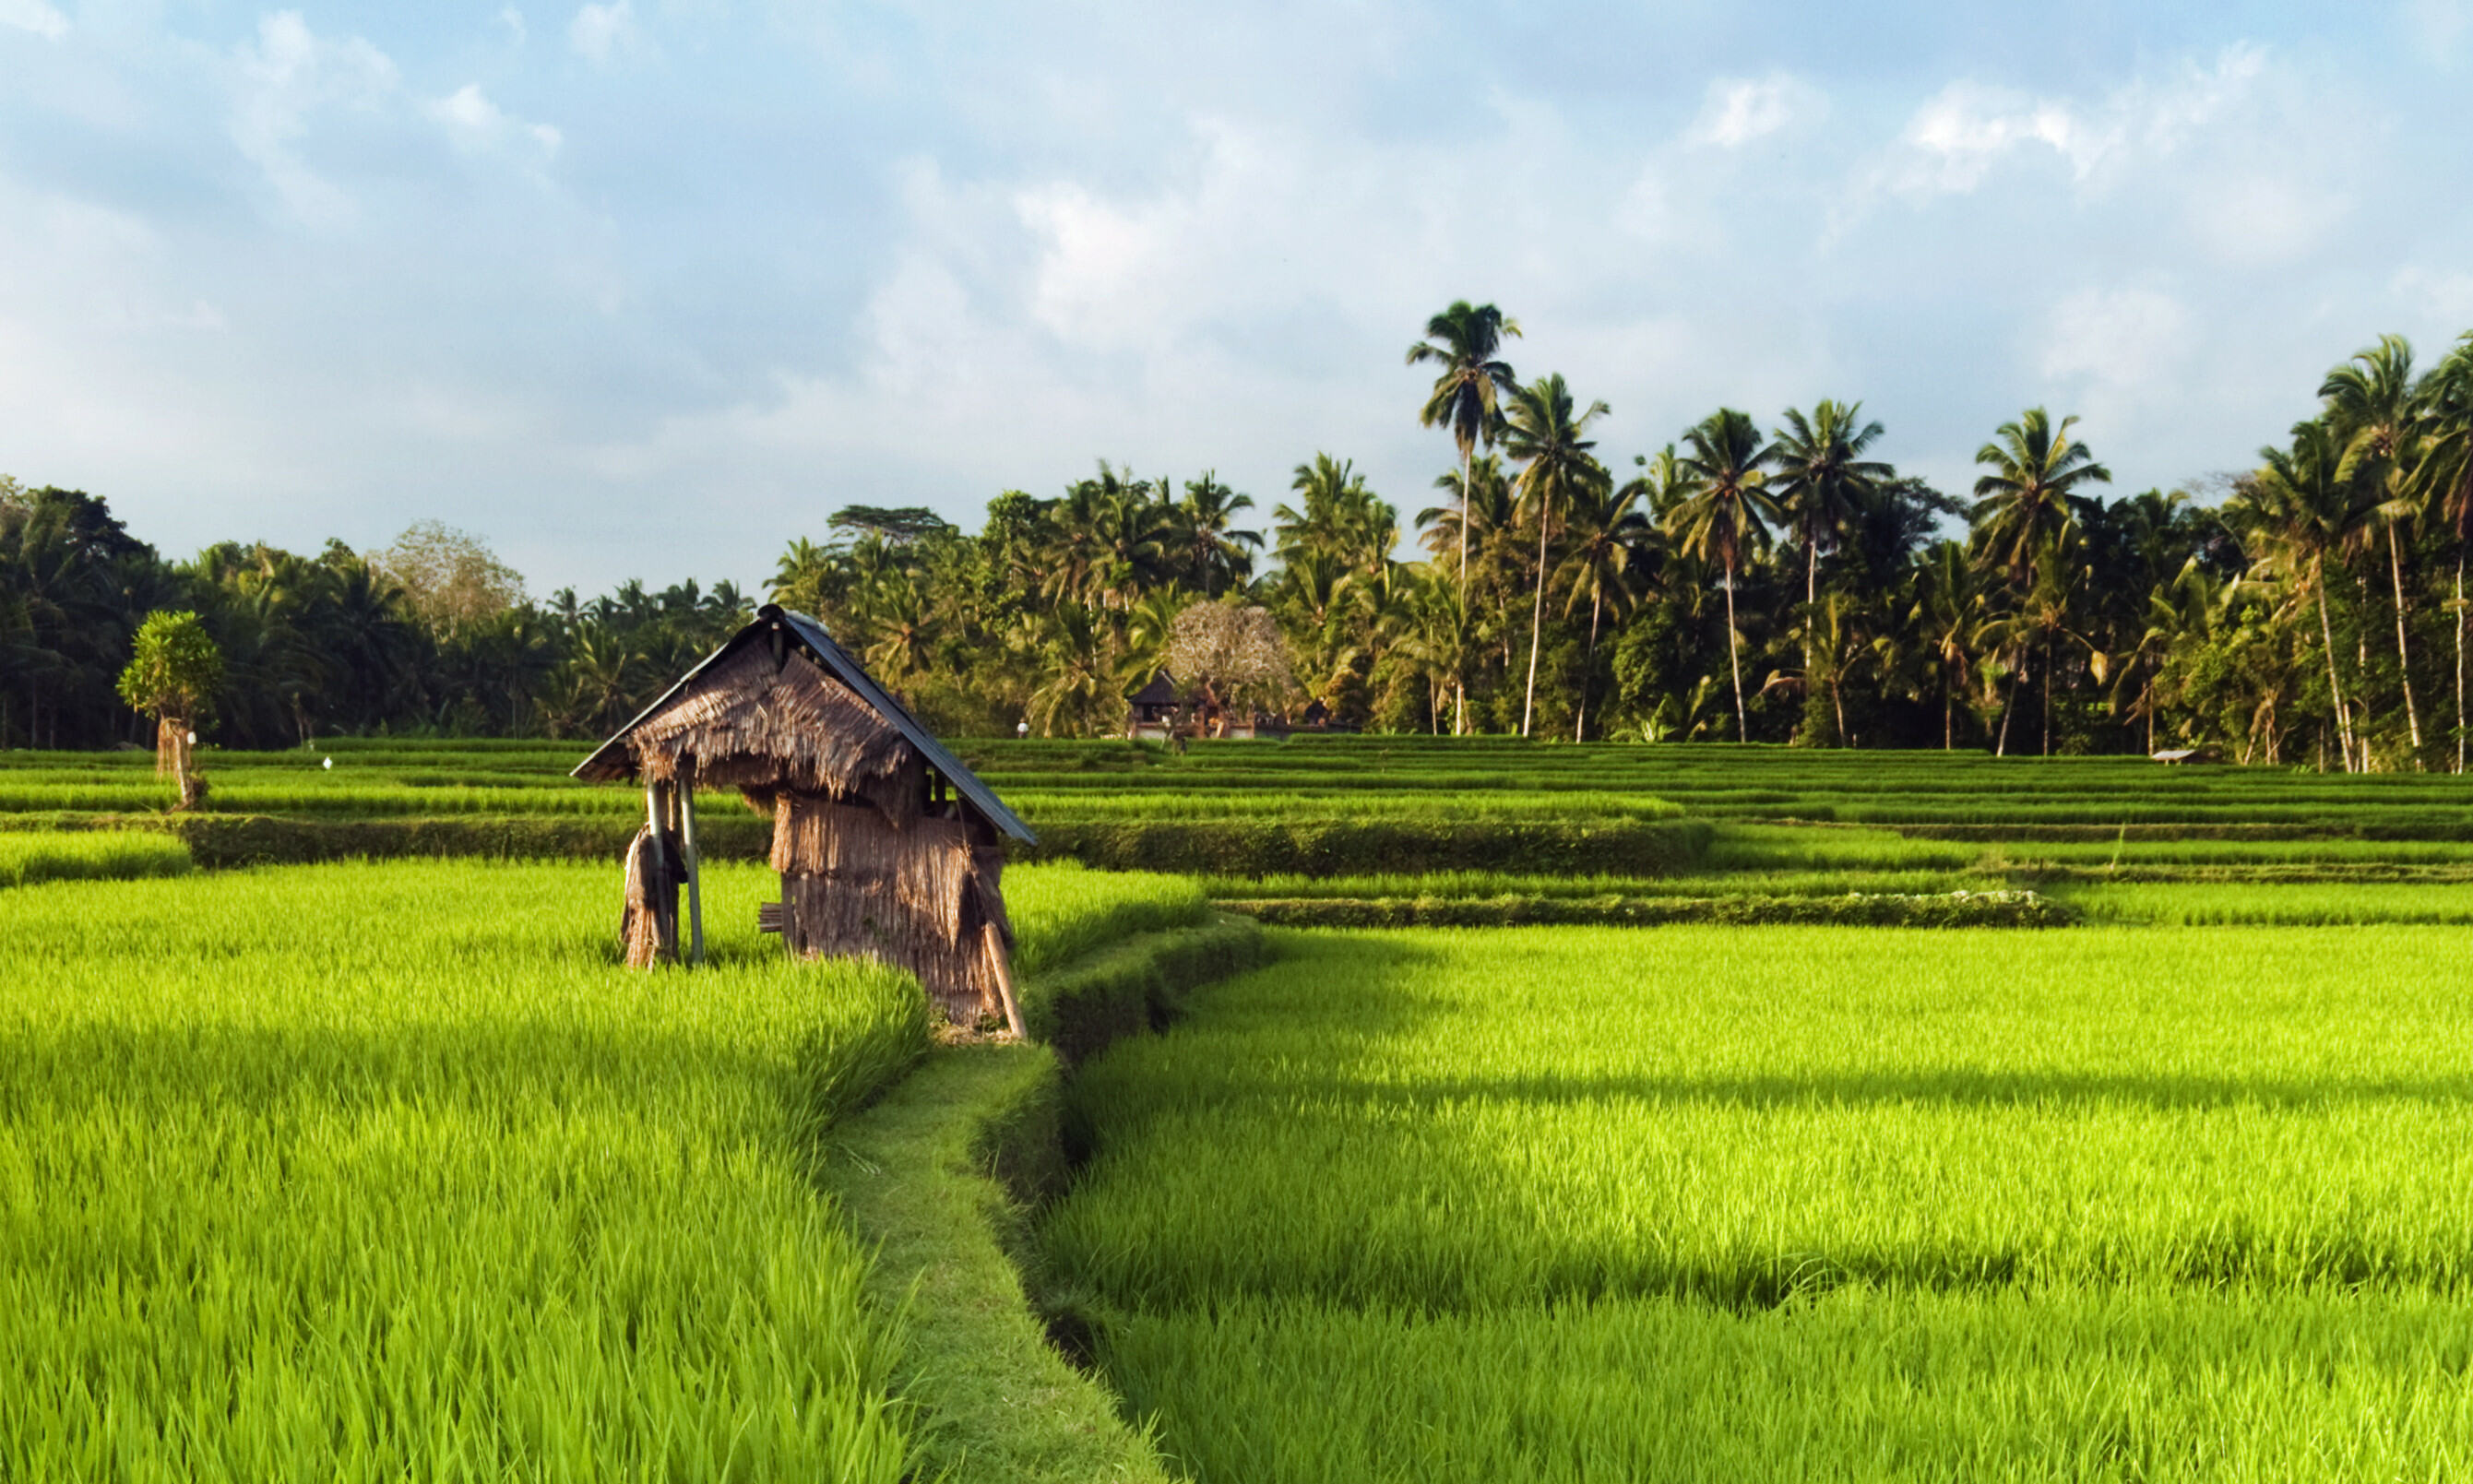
1776 1202
1956 793
392 1172
2148 1163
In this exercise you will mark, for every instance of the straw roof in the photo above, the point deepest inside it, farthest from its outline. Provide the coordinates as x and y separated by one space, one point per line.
781 707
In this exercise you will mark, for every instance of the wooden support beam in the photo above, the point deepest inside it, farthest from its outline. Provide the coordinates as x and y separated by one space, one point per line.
1002 963
694 863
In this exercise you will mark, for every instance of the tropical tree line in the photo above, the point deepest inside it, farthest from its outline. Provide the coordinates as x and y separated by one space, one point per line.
1763 579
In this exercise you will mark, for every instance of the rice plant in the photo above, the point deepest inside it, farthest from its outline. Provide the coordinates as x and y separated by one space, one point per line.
362 1172
1784 1203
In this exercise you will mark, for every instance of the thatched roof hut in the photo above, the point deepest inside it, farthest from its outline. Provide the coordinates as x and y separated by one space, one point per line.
1153 708
888 846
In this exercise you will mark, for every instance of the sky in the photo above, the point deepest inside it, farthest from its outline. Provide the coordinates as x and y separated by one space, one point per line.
644 289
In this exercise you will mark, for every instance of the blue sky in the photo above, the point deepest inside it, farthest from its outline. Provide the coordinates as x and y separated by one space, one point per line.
642 289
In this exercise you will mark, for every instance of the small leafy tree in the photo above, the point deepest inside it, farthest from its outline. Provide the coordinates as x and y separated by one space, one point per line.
173 677
451 579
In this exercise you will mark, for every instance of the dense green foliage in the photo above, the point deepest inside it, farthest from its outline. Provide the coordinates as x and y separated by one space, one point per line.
1795 1202
1778 584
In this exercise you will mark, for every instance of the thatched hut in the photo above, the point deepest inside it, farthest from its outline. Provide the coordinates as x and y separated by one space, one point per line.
888 848
1154 710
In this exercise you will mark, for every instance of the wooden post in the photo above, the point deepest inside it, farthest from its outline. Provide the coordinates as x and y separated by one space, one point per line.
1003 967
660 902
695 863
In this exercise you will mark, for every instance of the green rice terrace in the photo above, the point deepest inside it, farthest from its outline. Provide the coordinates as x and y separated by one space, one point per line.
1414 1110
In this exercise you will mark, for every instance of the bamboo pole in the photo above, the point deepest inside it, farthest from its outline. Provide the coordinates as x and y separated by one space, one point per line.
694 863
665 933
1003 967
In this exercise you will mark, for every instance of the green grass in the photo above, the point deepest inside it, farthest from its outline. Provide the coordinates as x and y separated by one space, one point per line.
1851 1386
392 1172
2295 904
28 857
1795 1202
1966 793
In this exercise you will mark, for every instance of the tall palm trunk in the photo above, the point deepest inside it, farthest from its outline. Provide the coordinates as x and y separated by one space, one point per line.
1734 658
1589 669
1810 601
2459 656
2048 693
1459 665
2335 686
1537 618
2404 654
2009 707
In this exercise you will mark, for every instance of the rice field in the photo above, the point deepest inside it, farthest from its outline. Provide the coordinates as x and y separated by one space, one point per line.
362 1172
1965 795
28 857
1780 1203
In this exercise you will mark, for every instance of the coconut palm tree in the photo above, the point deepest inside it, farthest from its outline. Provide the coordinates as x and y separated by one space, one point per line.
1216 555
1613 551
1545 437
1820 477
1462 339
1947 618
1727 514
2296 510
2029 493
2373 406
2443 481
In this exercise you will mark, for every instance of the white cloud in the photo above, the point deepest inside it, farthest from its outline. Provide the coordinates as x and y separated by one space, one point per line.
477 124
603 35
35 16
286 76
1964 131
1739 110
513 20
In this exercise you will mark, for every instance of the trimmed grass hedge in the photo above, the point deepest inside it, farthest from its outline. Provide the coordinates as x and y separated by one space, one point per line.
1254 848
1858 909
942 1176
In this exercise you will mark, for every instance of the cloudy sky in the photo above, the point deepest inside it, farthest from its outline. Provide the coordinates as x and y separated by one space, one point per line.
645 289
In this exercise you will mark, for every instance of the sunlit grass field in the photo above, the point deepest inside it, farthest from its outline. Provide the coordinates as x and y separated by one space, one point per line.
392 1172
1796 1204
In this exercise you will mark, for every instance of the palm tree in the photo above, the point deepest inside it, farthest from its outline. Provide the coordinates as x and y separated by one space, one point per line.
2296 508
2442 480
2023 506
1540 433
1613 544
2372 404
1215 554
1727 514
1821 481
1822 477
1463 339
2029 494
1948 619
